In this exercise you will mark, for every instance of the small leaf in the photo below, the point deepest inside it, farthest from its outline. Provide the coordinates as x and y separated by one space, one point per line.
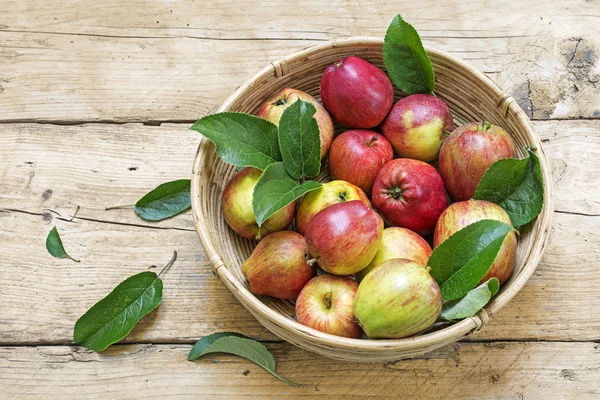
275 189
55 247
239 345
516 186
299 140
167 200
113 317
474 301
406 60
462 260
241 139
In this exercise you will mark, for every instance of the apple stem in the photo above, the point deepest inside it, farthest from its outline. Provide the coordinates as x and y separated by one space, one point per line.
327 299
371 141
311 261
447 133
485 126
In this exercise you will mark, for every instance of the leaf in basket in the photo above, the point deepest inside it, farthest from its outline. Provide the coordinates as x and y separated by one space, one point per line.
516 186
166 200
405 59
470 305
239 345
462 260
113 317
241 139
55 246
299 140
276 189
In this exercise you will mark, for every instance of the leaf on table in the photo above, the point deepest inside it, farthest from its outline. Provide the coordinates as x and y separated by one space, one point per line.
165 201
299 140
470 305
241 139
55 246
239 345
462 260
405 59
276 189
516 185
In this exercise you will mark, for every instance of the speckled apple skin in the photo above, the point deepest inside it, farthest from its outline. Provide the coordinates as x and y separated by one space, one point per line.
272 112
330 193
467 153
417 125
464 213
397 299
344 237
278 266
237 207
356 156
421 201
338 319
356 93
398 243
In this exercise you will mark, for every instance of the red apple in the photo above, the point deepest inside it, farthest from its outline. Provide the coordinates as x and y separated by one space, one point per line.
410 194
344 237
398 243
279 266
325 304
237 207
356 93
417 125
357 156
461 214
328 194
273 108
468 152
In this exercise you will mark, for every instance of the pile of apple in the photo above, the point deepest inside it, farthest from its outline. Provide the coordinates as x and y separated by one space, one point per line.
340 226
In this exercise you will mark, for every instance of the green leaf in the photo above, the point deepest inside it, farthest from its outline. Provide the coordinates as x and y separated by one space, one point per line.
299 140
275 189
55 247
516 186
113 317
167 200
470 305
241 139
239 345
462 260
406 60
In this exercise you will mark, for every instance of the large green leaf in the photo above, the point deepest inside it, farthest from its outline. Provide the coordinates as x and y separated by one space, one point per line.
241 139
276 189
299 140
470 305
55 246
406 60
516 186
462 260
165 201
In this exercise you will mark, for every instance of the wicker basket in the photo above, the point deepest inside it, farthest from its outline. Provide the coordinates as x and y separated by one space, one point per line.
470 95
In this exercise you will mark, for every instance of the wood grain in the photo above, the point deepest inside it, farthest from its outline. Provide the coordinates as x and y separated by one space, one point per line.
462 371
174 61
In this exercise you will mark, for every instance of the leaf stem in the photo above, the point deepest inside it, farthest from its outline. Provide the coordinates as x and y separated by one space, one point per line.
281 378
168 264
74 214
115 207
73 259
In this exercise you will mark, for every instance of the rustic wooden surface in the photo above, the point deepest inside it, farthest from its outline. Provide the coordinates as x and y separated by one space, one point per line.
95 102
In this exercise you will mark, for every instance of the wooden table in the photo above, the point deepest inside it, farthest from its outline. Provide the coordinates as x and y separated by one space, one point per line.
95 101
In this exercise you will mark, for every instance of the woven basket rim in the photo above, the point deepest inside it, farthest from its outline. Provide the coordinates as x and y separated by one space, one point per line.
450 333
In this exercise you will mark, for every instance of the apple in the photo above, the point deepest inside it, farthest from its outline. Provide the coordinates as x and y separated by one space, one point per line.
344 237
356 93
325 304
272 110
464 213
237 207
328 194
410 193
417 126
468 152
397 299
398 243
356 156
279 266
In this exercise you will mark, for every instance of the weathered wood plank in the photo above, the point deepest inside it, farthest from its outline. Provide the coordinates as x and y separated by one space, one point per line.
140 61
465 371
